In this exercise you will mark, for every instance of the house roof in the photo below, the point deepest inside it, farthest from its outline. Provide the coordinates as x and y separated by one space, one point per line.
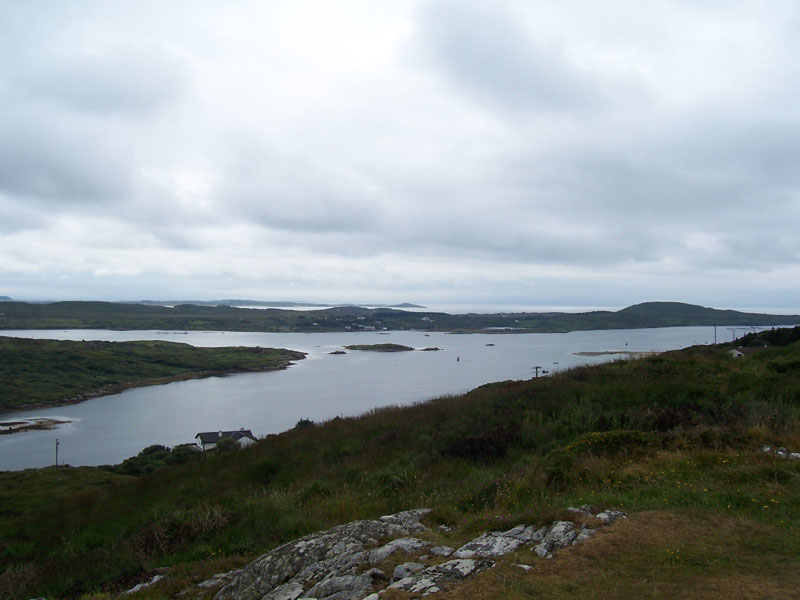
212 437
750 349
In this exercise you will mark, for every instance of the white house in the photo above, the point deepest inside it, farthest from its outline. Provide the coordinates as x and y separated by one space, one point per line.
207 440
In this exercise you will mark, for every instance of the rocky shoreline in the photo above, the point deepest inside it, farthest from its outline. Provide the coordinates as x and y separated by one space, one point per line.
37 424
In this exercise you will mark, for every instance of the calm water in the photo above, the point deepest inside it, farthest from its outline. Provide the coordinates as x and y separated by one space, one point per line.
109 429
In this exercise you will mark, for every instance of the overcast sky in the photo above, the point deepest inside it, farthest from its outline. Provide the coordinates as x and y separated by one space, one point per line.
571 153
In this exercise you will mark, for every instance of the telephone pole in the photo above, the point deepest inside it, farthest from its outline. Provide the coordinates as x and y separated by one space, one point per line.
56 451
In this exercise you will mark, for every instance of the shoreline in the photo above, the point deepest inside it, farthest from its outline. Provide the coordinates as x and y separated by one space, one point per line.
121 387
630 353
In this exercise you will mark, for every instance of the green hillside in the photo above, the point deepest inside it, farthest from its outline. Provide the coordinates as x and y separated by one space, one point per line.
35 372
109 315
675 440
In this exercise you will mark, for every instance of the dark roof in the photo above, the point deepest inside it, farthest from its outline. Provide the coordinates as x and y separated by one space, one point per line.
212 437
750 349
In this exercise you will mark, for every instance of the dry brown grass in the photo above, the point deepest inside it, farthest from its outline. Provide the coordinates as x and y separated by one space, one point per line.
653 555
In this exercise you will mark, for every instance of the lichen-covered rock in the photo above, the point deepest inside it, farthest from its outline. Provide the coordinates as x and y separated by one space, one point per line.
339 564
404 544
406 569
560 535
433 579
345 587
486 545
497 543
609 516
441 550
337 552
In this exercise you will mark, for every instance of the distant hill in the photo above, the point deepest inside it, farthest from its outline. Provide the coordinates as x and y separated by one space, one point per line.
226 302
5 299
224 317
676 314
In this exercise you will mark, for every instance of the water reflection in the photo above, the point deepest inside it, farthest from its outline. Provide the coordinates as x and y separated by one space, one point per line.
109 429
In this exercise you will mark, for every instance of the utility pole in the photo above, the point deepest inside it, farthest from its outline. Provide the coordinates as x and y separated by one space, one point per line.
536 368
56 451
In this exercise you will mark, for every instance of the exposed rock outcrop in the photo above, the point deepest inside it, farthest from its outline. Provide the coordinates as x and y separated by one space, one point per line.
341 563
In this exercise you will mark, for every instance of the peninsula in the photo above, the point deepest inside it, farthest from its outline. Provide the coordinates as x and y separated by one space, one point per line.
36 373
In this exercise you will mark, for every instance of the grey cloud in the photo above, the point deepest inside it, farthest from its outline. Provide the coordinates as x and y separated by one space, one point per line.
124 80
484 49
56 161
286 191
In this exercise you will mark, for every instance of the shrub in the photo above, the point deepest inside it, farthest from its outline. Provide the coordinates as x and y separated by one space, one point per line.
609 442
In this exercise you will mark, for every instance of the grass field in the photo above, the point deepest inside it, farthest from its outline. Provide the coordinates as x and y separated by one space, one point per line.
675 440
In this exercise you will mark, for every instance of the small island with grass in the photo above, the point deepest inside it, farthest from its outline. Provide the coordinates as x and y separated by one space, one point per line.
380 347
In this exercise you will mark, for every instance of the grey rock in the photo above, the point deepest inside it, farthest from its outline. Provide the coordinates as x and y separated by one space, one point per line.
456 569
406 569
347 586
524 534
327 555
560 535
609 516
405 544
335 564
539 534
586 509
441 550
143 585
408 520
542 550
488 544
287 591
432 579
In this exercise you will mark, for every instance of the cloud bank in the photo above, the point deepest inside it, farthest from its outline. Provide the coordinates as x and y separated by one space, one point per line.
420 151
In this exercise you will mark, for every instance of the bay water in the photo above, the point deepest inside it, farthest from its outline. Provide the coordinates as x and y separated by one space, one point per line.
108 429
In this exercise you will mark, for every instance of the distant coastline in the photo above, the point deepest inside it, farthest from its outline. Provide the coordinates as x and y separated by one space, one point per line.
193 317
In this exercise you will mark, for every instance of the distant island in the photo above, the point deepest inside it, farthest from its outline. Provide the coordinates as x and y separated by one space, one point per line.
259 303
380 347
197 317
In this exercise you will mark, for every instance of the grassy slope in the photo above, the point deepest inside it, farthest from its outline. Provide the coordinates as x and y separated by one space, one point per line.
106 315
673 439
44 371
